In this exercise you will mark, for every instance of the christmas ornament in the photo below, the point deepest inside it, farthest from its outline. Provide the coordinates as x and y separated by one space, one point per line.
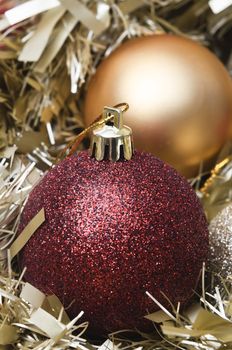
220 239
180 97
116 226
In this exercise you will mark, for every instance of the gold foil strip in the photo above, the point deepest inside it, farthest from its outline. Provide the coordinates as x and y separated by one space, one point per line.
203 324
218 6
108 345
8 55
158 317
32 295
34 84
34 48
62 32
47 323
9 152
84 15
26 10
39 47
208 323
53 306
128 6
27 232
8 334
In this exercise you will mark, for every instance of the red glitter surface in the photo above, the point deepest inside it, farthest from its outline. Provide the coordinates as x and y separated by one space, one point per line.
113 231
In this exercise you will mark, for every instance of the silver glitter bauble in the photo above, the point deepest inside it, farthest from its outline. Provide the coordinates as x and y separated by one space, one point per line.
220 240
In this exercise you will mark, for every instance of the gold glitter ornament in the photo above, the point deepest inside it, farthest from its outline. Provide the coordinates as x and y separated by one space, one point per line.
220 240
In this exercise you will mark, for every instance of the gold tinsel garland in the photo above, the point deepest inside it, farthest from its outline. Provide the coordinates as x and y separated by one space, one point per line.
41 100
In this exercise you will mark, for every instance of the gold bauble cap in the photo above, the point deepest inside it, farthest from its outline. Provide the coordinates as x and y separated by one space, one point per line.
113 140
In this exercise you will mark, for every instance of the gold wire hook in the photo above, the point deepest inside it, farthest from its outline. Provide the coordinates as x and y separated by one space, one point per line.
72 146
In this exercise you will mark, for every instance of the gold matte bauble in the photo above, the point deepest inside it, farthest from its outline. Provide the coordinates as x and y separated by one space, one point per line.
180 98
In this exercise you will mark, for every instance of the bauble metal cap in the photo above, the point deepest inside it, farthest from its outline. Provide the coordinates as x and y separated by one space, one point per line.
113 140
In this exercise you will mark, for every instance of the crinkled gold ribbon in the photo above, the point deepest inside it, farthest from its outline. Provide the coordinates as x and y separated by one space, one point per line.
59 18
43 315
26 234
197 323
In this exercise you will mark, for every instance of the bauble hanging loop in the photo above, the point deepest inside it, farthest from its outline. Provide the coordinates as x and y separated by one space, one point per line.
100 120
113 140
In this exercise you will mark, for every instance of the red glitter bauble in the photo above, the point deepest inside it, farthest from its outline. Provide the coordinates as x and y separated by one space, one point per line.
113 231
